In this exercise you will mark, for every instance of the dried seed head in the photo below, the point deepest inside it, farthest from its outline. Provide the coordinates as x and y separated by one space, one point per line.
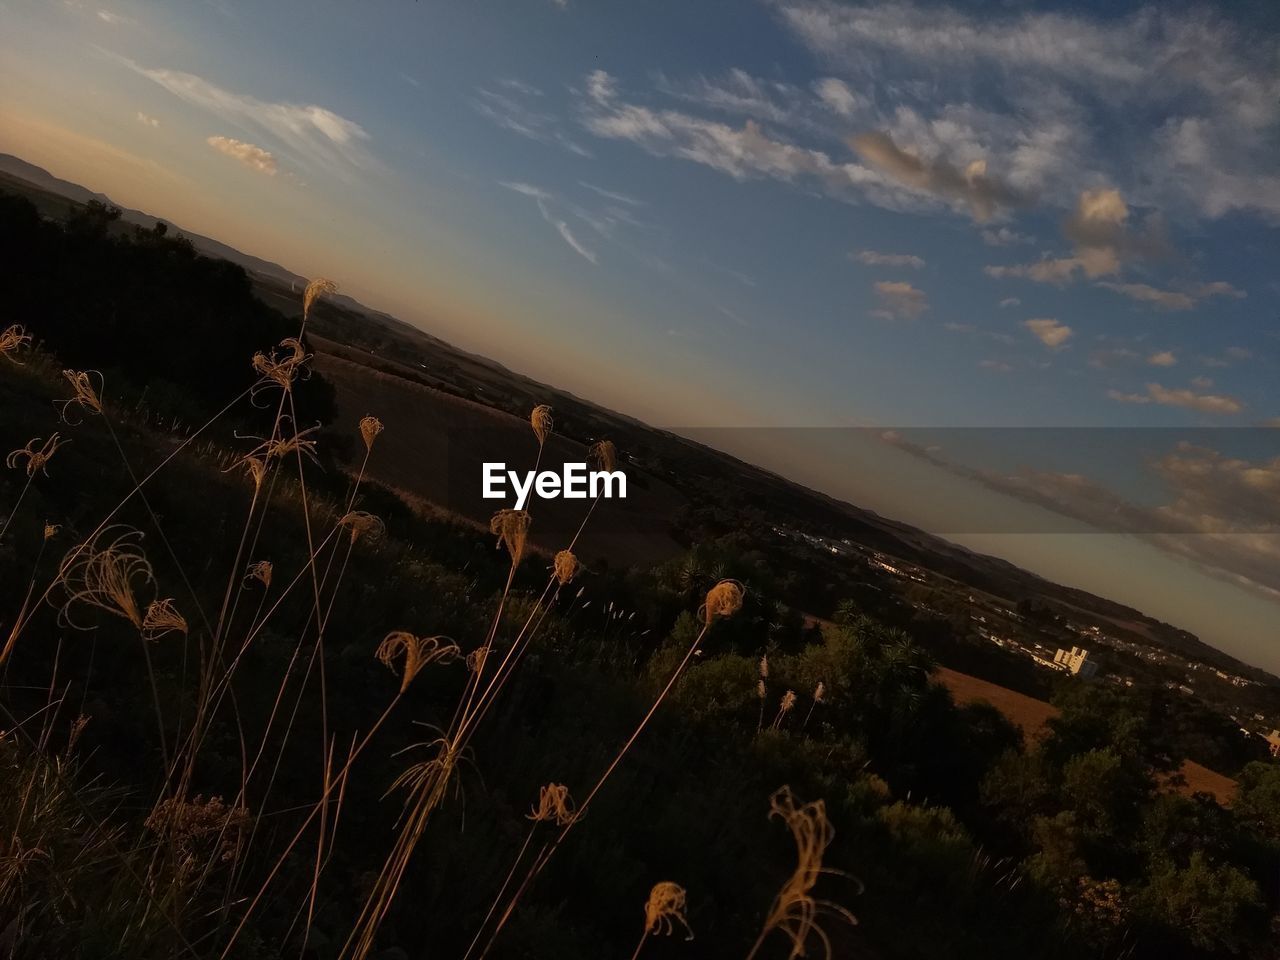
51 530
105 576
764 667
36 457
87 392
417 652
819 692
760 690
512 529
162 617
604 455
566 567
12 340
278 448
362 524
554 804
476 658
542 422
260 570
370 427
77 730
788 702
315 290
795 911
664 909
723 600
283 364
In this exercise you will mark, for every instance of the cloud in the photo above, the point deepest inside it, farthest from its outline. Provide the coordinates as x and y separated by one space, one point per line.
837 96
972 187
1049 331
544 201
307 133
899 301
250 155
1163 358
147 119
1104 239
1181 101
1174 299
1004 237
1010 302
613 195
1188 399
512 110
873 258
995 366
114 19
1219 512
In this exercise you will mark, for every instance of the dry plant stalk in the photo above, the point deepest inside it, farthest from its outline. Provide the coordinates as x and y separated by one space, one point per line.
417 653
566 567
36 457
370 427
512 529
254 467
542 422
554 805
162 617
87 394
604 454
106 576
315 290
13 339
795 910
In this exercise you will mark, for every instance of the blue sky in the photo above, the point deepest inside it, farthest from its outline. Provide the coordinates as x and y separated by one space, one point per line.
772 215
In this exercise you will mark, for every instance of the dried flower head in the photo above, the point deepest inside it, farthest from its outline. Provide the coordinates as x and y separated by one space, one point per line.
795 911
13 339
162 617
315 290
476 659
604 455
566 567
36 457
277 448
788 702
760 691
417 652
77 730
261 571
723 600
370 427
554 804
198 831
512 529
819 692
362 524
664 909
87 392
283 364
105 573
255 469
51 530
764 667
542 422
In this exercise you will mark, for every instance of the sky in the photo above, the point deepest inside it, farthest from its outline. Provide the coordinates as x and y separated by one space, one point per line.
1004 270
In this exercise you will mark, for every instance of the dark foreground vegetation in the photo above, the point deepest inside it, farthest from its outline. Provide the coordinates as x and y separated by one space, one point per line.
204 753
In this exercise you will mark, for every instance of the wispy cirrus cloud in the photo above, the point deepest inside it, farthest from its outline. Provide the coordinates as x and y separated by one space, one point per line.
1174 299
147 120
516 107
544 200
252 156
309 134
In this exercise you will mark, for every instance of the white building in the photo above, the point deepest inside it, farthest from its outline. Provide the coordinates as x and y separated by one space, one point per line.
1076 660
